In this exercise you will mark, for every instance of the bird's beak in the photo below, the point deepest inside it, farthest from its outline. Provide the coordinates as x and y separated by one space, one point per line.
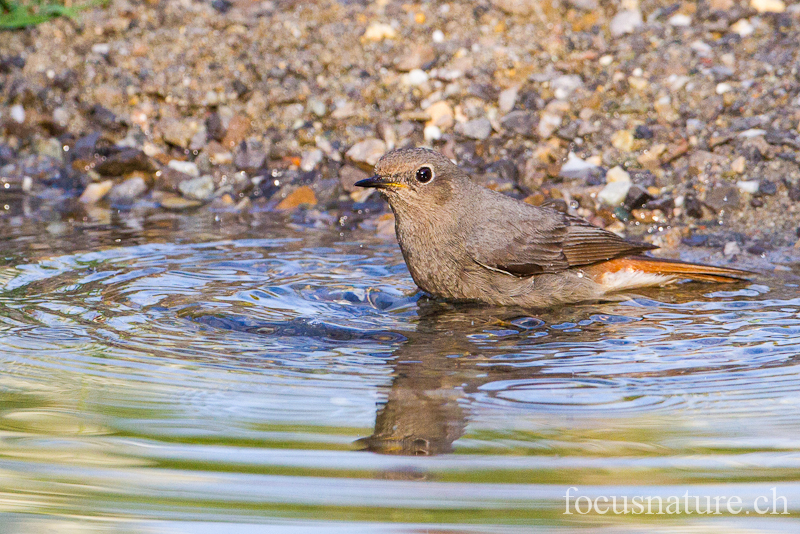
379 182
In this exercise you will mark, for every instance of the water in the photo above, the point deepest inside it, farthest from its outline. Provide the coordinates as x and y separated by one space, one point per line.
187 374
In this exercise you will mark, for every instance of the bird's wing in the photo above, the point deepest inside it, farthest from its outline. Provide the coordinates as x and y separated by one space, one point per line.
544 241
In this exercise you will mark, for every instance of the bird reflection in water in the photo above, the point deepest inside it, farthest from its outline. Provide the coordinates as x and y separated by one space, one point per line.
445 361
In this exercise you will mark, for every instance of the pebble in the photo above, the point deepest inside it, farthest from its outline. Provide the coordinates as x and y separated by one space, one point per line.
723 88
767 188
366 153
622 140
738 165
564 86
475 129
177 203
618 174
127 190
17 113
768 6
577 169
507 99
548 123
186 167
201 188
101 48
441 114
742 27
625 21
680 20
416 77
95 192
437 36
311 159
521 122
614 193
731 248
432 133
179 133
378 31
301 195
125 162
238 129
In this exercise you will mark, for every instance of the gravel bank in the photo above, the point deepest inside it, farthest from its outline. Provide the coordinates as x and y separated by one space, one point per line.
673 122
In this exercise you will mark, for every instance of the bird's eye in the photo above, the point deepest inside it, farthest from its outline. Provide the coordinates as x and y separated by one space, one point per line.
424 175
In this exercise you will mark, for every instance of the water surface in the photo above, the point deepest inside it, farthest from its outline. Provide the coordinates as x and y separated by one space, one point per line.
209 374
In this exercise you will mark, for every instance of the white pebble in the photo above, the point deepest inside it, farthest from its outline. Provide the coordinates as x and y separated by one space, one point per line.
723 88
17 113
749 186
101 48
614 193
186 167
618 174
606 60
416 77
432 133
743 27
731 248
438 36
680 20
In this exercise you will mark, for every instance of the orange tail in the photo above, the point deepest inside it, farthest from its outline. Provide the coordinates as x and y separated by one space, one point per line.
674 268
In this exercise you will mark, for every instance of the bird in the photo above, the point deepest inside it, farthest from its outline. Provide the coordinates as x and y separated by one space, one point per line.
464 242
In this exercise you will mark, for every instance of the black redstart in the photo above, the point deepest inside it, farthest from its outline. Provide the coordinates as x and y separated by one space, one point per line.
462 241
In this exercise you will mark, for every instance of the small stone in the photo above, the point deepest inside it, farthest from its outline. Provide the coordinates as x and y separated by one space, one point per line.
301 195
738 165
636 198
415 58
127 190
768 6
441 114
614 193
518 7
618 174
176 203
127 161
767 188
507 99
317 107
437 36
577 169
215 130
625 21
101 48
606 60
366 153
416 77
17 113
521 122
349 175
432 133
201 188
475 129
548 123
723 88
622 140
564 86
250 155
743 28
723 197
680 20
731 248
643 132
95 192
378 31
311 159
186 167
178 133
237 131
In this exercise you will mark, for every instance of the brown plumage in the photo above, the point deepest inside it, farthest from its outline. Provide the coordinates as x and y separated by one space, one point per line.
462 241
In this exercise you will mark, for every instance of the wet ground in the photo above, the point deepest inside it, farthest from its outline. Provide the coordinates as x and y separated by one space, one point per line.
180 373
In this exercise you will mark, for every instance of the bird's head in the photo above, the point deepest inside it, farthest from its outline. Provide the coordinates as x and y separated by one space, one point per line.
416 179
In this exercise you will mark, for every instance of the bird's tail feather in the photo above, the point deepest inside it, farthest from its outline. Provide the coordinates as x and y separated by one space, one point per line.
675 269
